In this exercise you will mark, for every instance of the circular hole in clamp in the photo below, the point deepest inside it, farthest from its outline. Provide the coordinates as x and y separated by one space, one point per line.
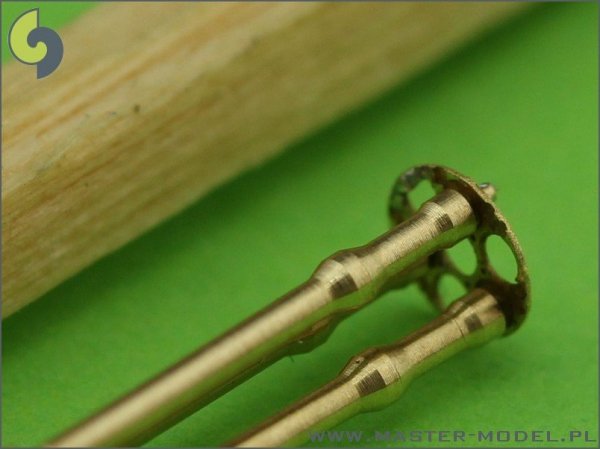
501 258
463 257
421 193
450 289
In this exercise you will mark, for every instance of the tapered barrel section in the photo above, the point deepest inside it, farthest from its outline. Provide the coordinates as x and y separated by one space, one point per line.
342 284
378 376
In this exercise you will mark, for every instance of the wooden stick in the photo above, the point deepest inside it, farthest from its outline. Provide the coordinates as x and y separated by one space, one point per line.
155 104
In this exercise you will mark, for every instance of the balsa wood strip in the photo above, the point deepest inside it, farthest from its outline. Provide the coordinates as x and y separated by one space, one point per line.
156 104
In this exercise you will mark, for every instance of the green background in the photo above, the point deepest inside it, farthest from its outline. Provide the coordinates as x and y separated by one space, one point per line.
518 107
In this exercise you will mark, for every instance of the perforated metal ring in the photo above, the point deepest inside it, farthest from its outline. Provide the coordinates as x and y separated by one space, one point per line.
514 295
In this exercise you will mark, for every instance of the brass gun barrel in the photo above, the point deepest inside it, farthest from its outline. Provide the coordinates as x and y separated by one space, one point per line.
378 376
342 284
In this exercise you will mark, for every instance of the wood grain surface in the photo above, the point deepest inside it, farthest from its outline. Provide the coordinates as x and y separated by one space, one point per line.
156 104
